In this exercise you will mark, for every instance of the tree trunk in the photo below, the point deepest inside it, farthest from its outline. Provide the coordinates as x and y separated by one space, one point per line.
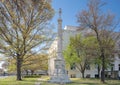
32 72
19 61
102 56
26 72
103 68
83 74
98 71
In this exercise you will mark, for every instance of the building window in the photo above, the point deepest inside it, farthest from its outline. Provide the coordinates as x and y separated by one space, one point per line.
73 67
73 76
96 76
88 76
119 67
112 67
87 67
119 56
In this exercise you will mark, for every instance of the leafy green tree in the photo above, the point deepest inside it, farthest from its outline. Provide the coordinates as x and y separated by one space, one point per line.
103 25
84 50
78 52
92 44
24 28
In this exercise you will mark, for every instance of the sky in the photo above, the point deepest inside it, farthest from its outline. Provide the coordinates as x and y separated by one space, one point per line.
70 8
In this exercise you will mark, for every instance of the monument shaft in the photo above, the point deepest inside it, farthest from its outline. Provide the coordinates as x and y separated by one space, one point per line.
60 74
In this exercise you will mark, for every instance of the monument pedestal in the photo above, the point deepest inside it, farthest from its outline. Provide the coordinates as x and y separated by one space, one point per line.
60 74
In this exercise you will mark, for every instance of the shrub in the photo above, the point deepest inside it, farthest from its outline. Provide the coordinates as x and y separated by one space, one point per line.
32 76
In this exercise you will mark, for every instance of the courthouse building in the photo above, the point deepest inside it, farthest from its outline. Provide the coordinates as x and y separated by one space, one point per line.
68 31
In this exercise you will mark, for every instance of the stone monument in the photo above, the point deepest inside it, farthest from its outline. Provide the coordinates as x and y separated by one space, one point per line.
60 74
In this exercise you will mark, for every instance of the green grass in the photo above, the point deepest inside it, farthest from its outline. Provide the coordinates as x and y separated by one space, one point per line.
13 81
78 81
43 80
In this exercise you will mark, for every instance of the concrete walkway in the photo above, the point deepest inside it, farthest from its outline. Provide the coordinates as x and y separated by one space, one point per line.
3 76
37 83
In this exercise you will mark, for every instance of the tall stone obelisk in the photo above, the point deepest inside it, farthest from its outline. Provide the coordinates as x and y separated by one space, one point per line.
60 74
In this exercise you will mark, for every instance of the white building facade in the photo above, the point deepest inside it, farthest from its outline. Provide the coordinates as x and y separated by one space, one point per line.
92 72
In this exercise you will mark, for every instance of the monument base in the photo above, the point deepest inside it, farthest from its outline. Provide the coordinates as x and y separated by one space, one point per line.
60 74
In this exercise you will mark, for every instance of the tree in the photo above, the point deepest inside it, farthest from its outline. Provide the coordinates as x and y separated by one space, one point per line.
78 52
109 58
33 63
103 25
36 62
24 28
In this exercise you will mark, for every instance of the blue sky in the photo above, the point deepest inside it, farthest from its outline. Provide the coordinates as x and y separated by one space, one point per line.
70 8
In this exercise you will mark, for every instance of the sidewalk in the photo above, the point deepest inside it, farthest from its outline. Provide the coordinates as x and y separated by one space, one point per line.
39 81
3 76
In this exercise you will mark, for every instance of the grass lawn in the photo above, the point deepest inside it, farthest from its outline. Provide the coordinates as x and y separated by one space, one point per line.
78 81
43 80
13 81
